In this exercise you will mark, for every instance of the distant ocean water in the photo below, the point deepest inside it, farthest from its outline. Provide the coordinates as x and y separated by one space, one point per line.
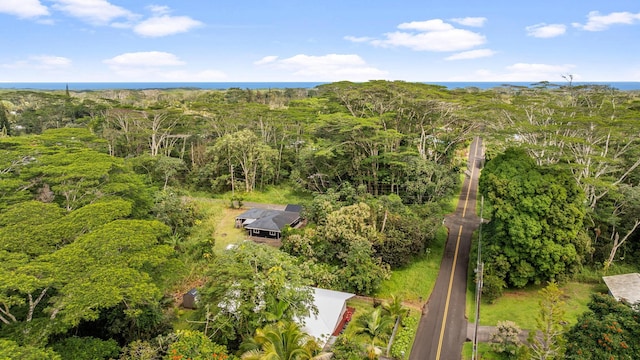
87 86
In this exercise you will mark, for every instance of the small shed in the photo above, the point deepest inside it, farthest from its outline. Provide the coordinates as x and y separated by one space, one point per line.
190 299
624 287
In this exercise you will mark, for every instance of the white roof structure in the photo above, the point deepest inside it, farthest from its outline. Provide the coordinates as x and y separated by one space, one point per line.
330 304
625 286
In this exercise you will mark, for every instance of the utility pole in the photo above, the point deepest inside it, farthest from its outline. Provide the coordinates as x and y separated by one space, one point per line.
479 275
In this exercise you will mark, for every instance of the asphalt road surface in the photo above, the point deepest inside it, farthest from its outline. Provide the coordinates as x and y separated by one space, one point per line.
443 326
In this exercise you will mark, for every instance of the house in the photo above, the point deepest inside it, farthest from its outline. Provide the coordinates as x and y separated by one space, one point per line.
624 287
269 223
332 314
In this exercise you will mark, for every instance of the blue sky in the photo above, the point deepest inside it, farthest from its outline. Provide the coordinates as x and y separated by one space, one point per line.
329 40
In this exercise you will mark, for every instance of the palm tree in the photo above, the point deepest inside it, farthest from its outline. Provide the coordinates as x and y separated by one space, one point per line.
394 307
281 341
375 325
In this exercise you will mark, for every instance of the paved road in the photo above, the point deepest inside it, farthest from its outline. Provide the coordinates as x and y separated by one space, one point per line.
443 326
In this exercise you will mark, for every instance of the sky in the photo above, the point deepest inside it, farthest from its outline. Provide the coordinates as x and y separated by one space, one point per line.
319 41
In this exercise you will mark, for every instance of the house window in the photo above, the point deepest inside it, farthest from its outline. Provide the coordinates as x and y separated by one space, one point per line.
272 233
256 231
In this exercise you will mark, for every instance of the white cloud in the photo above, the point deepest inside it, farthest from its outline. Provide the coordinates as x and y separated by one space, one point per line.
428 25
159 9
210 75
471 54
536 68
40 62
356 39
429 35
48 61
441 41
470 21
164 25
23 8
96 12
331 67
144 59
546 30
266 60
158 66
597 22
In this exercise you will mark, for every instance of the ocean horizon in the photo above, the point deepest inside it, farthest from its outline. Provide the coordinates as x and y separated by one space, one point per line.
94 86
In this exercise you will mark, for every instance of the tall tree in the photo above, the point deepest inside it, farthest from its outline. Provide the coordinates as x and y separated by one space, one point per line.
244 150
247 286
535 233
5 126
548 342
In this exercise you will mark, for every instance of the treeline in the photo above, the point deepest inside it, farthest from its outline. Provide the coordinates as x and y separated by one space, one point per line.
395 138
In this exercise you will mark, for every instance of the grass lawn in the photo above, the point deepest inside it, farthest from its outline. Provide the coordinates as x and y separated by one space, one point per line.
484 351
521 306
362 307
281 194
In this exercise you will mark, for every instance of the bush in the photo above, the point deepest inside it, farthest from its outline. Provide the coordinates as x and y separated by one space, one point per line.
11 350
505 340
86 348
347 348
493 287
404 337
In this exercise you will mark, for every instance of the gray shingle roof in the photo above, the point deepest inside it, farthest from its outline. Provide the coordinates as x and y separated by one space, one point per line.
625 286
268 220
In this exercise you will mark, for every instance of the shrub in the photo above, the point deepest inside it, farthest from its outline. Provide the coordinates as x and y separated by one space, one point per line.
404 337
86 348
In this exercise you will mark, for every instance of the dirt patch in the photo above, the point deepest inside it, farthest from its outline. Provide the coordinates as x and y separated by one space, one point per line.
177 294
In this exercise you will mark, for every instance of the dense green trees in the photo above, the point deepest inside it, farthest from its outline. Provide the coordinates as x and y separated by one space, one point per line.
250 286
70 246
114 263
61 166
536 229
592 132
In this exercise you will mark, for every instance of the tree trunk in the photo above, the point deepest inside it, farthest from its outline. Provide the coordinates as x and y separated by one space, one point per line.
617 244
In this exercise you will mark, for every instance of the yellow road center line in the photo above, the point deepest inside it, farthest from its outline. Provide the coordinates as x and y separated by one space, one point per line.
455 255
473 168
446 303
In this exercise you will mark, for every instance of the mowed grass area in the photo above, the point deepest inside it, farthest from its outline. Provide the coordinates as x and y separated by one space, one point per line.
484 352
522 306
